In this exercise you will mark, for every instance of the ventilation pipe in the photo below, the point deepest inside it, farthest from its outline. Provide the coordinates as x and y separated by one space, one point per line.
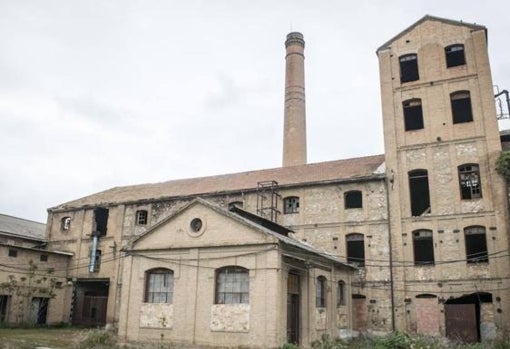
93 252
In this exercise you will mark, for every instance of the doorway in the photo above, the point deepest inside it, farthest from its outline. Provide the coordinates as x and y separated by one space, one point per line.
293 308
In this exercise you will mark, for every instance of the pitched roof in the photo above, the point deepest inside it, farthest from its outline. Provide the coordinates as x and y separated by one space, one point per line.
323 172
431 18
23 228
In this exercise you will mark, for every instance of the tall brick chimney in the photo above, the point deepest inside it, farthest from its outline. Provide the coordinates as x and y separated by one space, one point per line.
294 128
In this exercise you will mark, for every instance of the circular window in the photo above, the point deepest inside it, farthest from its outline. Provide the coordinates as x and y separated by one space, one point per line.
196 225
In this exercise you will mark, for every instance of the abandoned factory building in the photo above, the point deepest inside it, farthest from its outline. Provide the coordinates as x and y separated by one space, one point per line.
415 239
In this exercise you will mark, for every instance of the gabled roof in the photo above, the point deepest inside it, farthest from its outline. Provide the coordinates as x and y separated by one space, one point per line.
431 18
22 228
340 170
260 224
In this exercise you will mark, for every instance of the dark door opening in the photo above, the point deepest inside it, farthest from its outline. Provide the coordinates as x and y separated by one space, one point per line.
293 306
90 303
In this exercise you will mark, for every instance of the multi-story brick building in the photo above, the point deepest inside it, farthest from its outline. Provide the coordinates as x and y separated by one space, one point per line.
426 223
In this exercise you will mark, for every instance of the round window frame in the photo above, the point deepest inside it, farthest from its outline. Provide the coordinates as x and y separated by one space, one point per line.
192 231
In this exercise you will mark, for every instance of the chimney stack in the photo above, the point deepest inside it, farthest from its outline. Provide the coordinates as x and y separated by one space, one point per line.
294 129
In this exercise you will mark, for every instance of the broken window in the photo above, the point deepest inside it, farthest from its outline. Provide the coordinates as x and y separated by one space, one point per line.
409 68
320 292
419 190
469 180
141 217
13 253
159 286
423 247
461 107
232 285
291 204
65 223
355 249
454 55
340 295
101 220
476 245
353 199
413 114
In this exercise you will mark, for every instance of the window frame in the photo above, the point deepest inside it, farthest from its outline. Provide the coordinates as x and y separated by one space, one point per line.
453 57
239 291
423 239
320 292
163 290
142 217
476 246
461 106
291 205
65 223
340 295
412 110
470 182
409 70
355 241
419 192
353 199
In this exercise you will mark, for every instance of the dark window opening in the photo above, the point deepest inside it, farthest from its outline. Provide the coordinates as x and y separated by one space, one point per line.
13 253
419 190
4 305
469 180
43 258
159 286
101 220
423 247
461 107
291 205
455 55
409 68
476 245
141 217
413 114
65 223
320 292
340 296
353 199
355 249
232 285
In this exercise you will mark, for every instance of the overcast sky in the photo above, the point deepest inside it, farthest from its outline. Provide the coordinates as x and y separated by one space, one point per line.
97 94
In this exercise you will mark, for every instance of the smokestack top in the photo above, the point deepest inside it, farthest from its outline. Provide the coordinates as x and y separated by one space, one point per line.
295 38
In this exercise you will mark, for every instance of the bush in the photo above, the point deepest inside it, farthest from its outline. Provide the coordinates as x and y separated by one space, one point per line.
503 164
98 339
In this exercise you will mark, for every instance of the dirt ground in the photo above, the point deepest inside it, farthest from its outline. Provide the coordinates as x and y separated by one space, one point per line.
54 338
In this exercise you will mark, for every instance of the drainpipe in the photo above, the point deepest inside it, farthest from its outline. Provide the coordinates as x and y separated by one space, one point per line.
392 291
93 252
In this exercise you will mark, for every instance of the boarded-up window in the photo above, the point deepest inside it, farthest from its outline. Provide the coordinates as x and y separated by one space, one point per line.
423 245
291 205
461 107
413 114
469 181
409 68
353 199
101 220
419 192
232 285
159 286
476 245
320 292
455 55
355 249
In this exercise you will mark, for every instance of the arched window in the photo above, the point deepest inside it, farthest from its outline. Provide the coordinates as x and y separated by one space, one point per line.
423 245
340 293
355 249
469 181
413 114
291 204
65 223
159 286
476 244
461 107
419 191
454 55
353 199
141 217
409 68
320 292
232 285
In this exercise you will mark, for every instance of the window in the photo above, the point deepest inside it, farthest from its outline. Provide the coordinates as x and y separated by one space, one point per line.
461 107
409 68
43 258
413 114
340 293
65 223
291 204
423 247
13 253
159 286
232 285
476 245
419 190
469 180
353 199
4 306
101 220
454 55
355 249
320 292
141 217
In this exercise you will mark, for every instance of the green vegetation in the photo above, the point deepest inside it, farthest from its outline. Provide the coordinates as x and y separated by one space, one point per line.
503 164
